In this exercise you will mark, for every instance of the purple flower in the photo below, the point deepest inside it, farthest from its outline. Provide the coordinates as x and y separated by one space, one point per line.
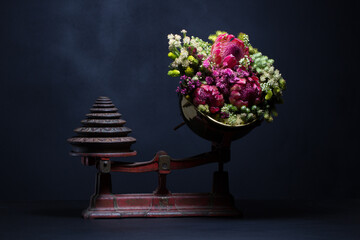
206 63
192 50
242 72
228 72
224 115
209 80
187 85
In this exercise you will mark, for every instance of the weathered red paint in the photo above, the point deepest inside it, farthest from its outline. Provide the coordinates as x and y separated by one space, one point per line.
161 203
169 205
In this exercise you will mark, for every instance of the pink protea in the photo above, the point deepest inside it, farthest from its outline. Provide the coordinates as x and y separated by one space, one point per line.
210 95
245 92
228 50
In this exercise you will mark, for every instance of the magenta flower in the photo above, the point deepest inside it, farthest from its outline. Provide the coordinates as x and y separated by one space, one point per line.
187 85
206 63
243 72
210 95
209 80
224 79
245 92
228 50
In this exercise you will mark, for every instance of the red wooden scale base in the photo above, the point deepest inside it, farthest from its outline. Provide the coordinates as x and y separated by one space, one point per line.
151 205
161 203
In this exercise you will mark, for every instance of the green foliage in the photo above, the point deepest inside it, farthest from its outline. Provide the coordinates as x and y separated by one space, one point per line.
271 82
229 108
242 116
213 37
245 38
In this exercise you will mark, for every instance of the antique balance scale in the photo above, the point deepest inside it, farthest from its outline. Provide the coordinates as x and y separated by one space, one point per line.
104 136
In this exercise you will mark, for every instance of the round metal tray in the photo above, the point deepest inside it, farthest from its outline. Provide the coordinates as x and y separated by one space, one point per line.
211 129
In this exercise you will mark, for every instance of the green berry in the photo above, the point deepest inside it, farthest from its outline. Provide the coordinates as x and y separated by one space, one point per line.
282 83
266 116
276 91
174 73
269 94
243 108
243 116
172 55
254 108
260 112
250 117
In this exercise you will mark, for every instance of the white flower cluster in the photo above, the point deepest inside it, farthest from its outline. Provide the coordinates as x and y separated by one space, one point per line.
175 45
186 40
196 44
174 41
182 59
202 47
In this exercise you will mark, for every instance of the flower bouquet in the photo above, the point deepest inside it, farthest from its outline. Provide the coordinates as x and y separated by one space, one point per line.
228 81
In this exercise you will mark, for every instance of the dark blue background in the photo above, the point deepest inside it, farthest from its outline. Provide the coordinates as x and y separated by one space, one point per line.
57 57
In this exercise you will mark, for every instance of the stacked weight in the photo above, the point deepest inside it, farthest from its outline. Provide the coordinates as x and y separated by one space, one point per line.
103 131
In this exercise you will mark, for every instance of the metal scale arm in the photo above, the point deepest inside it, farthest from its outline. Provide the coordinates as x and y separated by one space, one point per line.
161 161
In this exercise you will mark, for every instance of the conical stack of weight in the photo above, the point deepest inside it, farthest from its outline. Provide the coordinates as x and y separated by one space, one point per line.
103 131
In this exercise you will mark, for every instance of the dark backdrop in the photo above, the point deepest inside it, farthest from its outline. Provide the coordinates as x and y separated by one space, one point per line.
57 57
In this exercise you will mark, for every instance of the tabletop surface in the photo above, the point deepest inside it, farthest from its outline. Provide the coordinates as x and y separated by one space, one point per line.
263 219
